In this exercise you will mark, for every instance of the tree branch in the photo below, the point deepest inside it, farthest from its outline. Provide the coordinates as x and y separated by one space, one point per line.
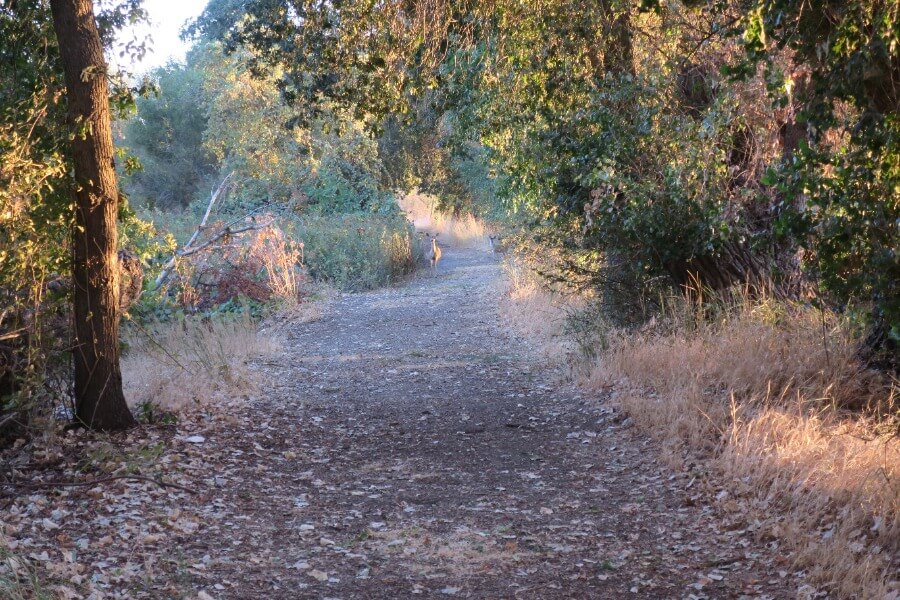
225 231
167 270
228 230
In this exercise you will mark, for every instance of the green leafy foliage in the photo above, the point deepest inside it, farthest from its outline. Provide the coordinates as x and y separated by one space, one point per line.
345 171
166 137
842 187
850 220
358 252
213 116
216 115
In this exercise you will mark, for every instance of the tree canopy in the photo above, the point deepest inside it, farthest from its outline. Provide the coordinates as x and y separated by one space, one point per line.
730 141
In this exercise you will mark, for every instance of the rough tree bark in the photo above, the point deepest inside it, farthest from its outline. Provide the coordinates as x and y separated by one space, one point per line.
734 264
99 399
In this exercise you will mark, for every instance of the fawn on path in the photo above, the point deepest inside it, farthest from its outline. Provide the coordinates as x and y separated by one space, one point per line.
432 251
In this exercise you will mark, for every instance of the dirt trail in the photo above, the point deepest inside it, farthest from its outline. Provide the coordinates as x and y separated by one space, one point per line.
418 451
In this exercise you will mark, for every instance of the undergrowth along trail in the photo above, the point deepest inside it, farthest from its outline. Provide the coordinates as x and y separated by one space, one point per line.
421 451
403 444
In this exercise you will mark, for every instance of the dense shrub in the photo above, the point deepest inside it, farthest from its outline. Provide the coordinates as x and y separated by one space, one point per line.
166 136
357 252
213 115
345 172
842 185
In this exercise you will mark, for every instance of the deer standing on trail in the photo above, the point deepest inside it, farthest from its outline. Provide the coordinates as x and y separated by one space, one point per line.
498 244
433 251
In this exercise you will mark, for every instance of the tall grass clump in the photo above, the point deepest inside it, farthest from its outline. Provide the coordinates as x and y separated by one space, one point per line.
538 313
179 363
357 252
774 398
465 230
19 579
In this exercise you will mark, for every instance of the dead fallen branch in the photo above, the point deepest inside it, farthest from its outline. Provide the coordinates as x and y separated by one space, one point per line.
4 419
225 232
228 230
170 265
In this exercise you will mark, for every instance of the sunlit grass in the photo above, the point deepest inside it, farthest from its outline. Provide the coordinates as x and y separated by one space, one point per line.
766 395
188 362
772 398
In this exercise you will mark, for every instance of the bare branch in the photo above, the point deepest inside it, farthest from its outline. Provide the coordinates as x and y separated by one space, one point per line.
226 231
167 270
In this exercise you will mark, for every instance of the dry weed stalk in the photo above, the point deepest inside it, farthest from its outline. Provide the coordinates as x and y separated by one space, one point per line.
279 257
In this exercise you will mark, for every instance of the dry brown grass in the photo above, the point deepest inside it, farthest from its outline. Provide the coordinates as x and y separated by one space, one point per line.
263 265
181 364
772 401
761 395
466 231
280 257
535 312
419 209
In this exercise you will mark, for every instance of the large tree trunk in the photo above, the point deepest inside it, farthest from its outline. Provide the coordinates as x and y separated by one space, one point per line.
614 52
99 400
735 264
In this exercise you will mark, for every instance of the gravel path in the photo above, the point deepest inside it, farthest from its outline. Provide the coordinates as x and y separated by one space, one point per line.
427 455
